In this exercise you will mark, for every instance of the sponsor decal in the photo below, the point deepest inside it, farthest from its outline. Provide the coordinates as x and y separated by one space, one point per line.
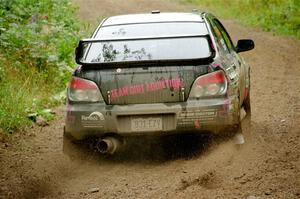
197 117
94 116
95 119
174 83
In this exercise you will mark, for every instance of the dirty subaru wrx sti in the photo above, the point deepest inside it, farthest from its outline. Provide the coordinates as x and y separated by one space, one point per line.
157 74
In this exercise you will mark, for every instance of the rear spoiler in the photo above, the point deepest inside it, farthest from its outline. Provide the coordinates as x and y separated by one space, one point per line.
80 52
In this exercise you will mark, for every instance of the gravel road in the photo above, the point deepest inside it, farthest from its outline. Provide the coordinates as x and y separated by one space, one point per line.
32 164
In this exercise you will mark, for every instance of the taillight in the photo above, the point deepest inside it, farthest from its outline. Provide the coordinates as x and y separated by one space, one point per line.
82 90
212 84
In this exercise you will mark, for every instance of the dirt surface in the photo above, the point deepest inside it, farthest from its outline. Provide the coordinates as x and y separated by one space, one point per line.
266 166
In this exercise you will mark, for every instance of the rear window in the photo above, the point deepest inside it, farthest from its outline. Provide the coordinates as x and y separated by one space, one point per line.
144 42
152 29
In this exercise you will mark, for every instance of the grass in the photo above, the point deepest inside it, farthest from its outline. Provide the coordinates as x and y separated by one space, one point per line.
37 41
279 16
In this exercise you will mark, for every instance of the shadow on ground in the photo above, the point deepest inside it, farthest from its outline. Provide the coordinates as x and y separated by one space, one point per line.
151 149
148 149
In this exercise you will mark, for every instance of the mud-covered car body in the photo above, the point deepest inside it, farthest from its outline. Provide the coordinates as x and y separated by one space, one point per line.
157 74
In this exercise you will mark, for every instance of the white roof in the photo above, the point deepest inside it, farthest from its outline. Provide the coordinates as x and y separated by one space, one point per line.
148 18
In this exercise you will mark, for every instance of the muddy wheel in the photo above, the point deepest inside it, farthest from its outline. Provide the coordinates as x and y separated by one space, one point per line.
247 104
235 127
71 147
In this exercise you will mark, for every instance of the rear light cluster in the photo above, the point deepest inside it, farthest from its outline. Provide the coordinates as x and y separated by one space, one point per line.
212 84
82 90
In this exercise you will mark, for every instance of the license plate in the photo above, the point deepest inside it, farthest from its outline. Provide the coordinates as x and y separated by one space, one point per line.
146 124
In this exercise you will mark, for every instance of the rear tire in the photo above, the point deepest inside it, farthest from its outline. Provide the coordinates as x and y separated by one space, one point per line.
71 147
236 128
247 104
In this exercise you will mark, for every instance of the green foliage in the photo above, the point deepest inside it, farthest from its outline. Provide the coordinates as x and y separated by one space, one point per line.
37 41
282 16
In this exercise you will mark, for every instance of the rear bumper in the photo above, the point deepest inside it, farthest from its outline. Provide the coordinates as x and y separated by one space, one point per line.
84 120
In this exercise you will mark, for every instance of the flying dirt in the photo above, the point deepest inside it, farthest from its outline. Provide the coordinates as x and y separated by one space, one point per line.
32 163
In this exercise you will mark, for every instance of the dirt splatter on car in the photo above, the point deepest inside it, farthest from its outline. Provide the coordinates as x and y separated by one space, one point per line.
157 74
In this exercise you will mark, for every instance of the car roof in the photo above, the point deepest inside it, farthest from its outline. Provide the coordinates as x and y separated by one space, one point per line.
155 17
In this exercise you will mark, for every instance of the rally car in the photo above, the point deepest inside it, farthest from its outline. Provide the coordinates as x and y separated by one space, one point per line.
157 74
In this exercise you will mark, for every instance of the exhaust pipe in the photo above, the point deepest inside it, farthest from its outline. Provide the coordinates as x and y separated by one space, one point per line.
108 145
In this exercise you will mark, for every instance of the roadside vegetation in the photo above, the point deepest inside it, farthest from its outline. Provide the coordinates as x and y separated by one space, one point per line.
280 16
37 41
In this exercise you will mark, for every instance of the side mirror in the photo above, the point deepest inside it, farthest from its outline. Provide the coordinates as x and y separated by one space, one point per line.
244 45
